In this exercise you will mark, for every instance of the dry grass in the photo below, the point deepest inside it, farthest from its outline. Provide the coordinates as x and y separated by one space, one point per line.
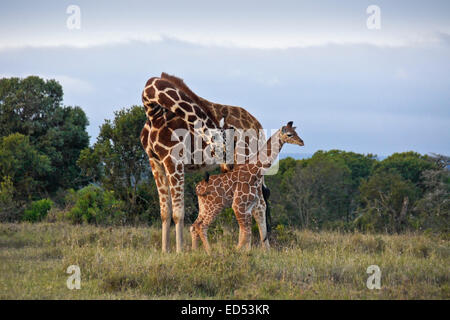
126 263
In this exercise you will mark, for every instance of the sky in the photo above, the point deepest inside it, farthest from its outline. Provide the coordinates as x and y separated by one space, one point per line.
316 63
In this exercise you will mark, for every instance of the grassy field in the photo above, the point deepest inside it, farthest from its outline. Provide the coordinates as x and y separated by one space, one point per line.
126 263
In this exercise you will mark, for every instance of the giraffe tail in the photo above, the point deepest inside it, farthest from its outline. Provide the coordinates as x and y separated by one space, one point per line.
266 195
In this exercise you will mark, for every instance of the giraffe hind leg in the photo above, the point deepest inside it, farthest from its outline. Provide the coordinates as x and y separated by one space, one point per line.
259 213
244 219
204 236
194 229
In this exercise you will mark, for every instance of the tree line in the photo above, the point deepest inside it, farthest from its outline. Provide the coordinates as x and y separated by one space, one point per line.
49 172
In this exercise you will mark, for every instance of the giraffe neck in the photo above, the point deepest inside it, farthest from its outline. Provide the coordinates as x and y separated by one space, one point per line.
217 110
270 151
154 111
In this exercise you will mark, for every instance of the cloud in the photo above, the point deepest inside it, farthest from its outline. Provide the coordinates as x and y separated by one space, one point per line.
400 73
232 24
444 37
240 41
352 97
74 85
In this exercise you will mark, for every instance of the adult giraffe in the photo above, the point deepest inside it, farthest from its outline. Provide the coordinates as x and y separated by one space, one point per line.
171 105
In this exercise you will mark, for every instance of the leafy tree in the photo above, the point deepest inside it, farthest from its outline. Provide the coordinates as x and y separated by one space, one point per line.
117 160
25 166
295 180
33 108
360 167
410 165
8 207
319 192
90 163
386 202
280 187
27 105
433 209
63 143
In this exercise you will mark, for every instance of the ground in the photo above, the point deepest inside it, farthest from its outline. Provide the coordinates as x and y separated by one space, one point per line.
126 263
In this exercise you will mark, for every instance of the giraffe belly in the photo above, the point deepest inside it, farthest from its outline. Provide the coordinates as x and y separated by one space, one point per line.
200 167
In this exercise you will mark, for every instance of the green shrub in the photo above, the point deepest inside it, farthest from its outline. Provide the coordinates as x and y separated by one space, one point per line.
283 235
8 207
92 204
38 210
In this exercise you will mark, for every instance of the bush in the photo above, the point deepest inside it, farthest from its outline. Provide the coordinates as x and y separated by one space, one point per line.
283 235
146 209
92 204
9 210
38 210
386 203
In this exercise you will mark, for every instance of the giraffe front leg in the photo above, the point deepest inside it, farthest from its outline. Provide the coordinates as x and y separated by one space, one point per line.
176 183
259 213
166 217
178 217
165 202
244 219
194 235
204 236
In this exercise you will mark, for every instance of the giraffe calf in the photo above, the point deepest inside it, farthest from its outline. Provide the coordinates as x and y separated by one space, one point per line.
240 189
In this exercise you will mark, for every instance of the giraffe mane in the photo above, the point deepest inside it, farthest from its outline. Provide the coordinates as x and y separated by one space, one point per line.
180 85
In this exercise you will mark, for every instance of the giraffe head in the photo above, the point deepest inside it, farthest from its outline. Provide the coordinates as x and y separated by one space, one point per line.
288 135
